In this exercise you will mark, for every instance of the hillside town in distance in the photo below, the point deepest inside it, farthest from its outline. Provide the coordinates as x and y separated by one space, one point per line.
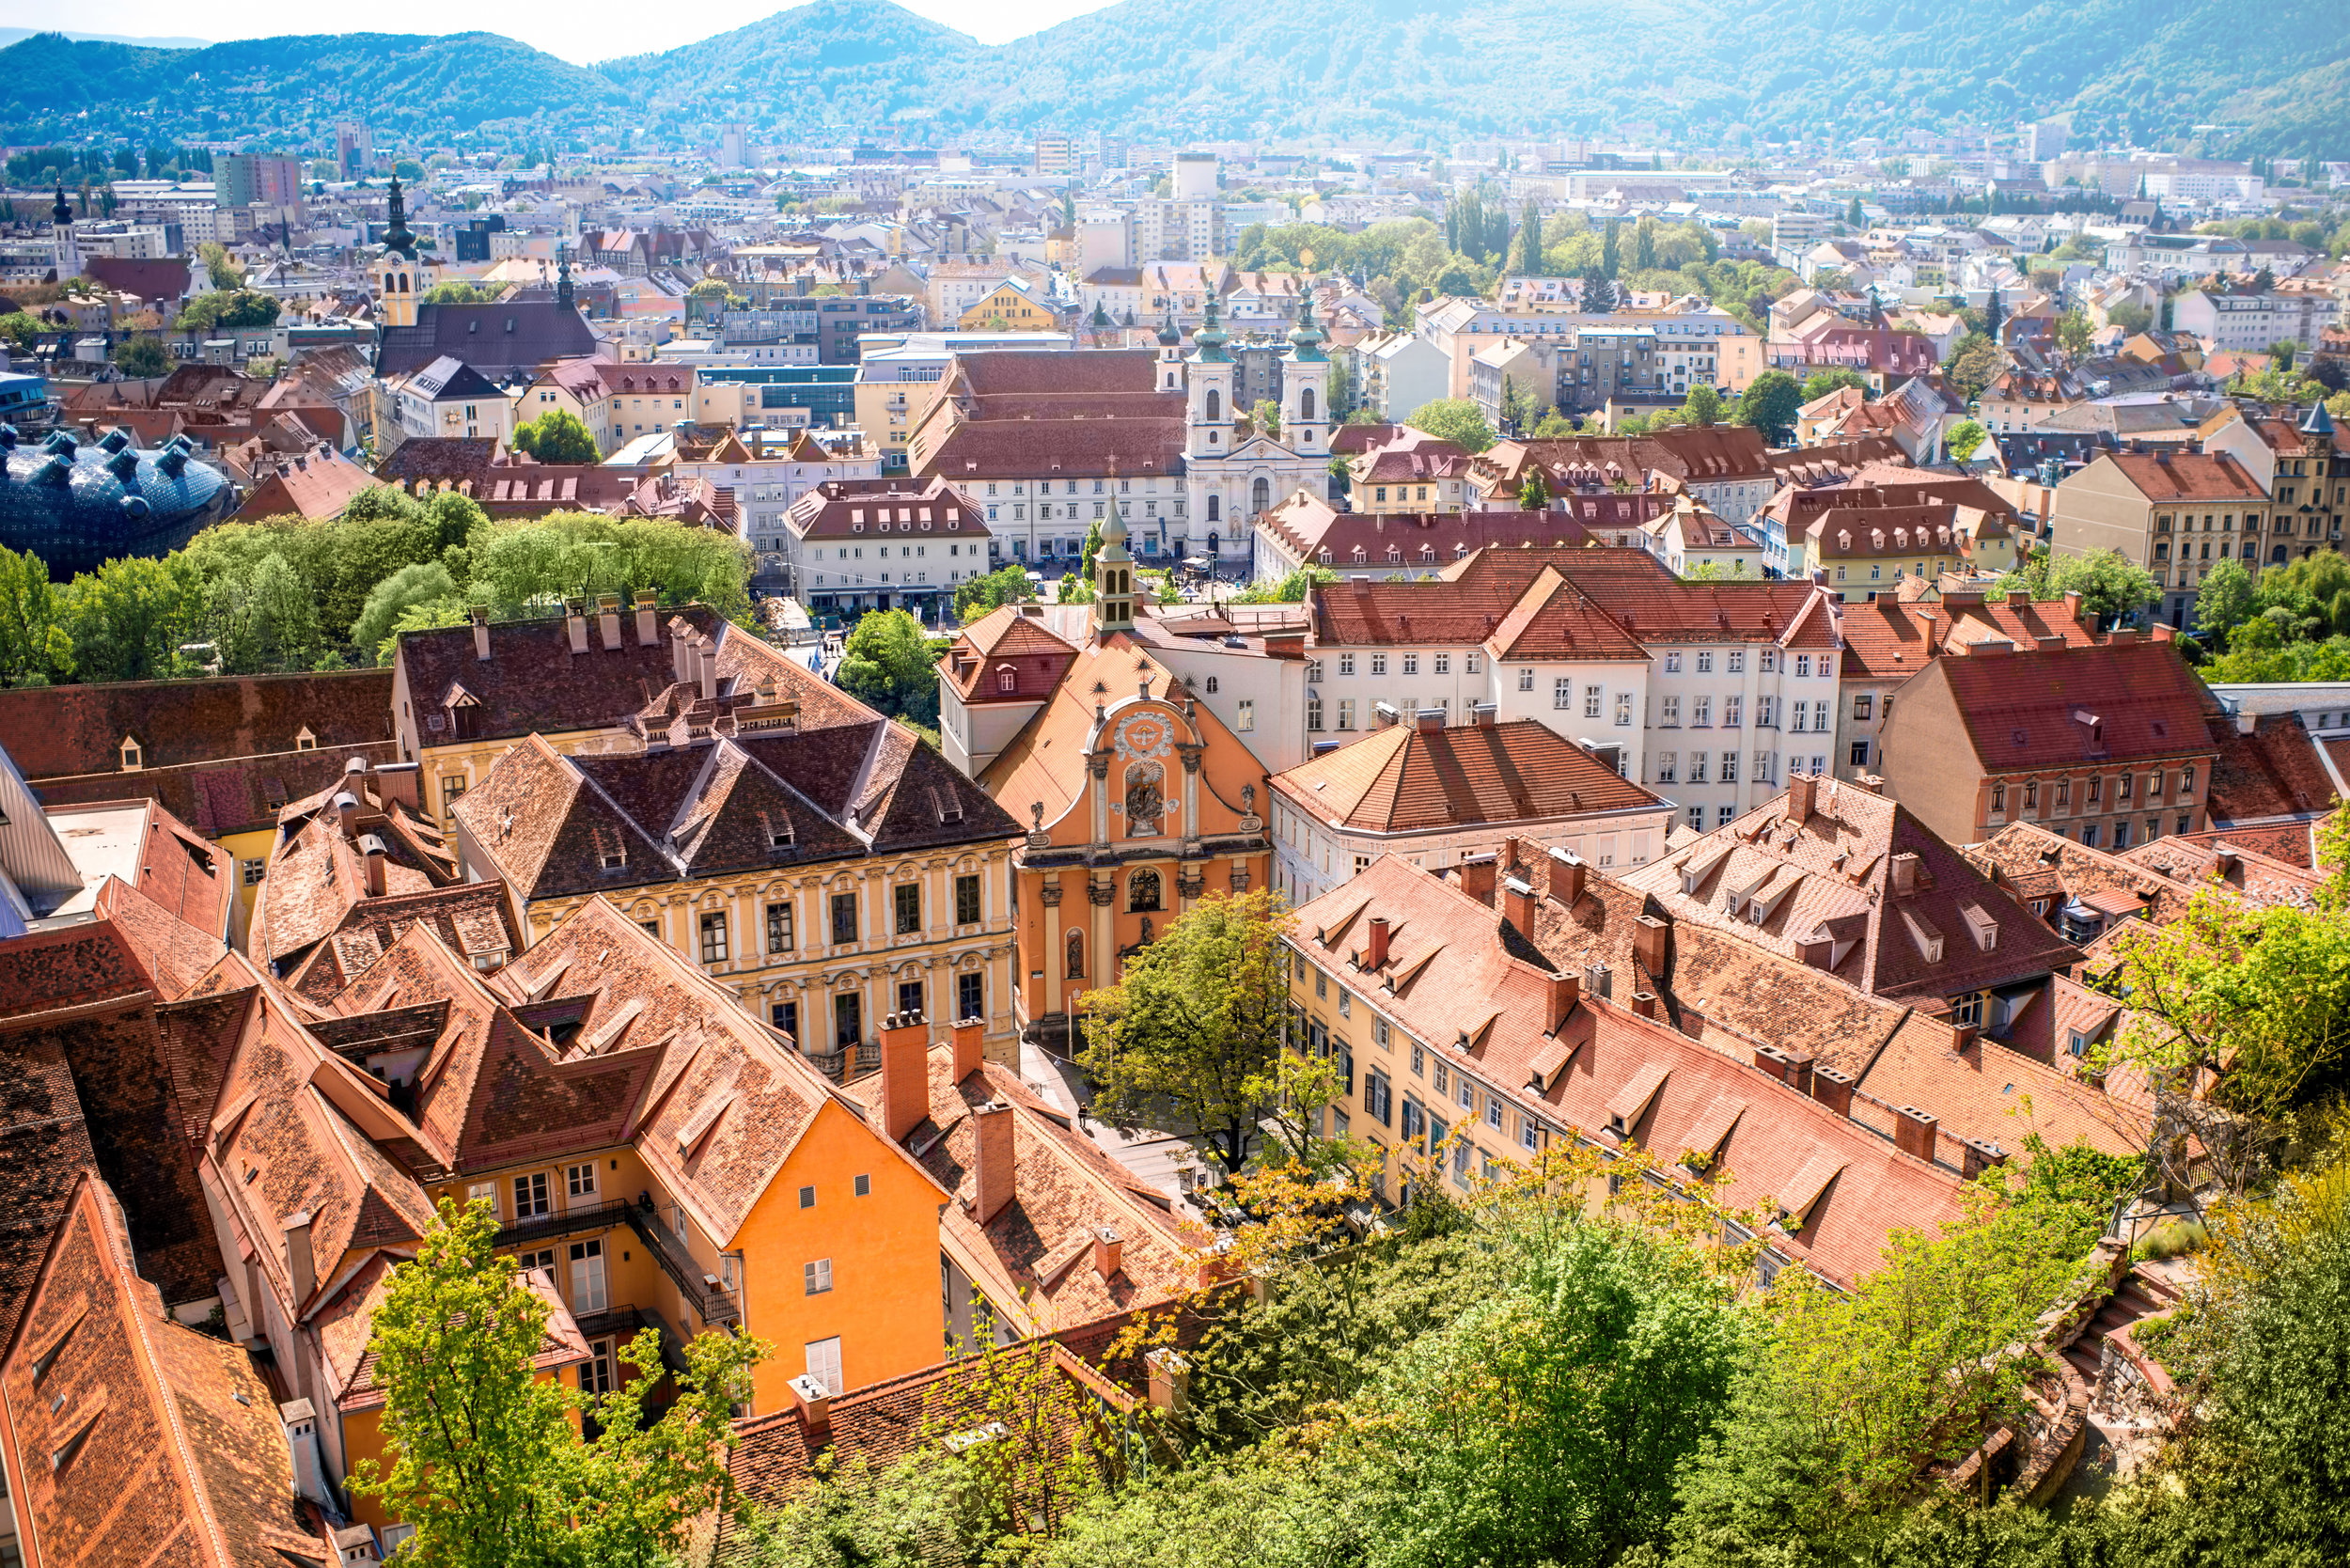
1491 851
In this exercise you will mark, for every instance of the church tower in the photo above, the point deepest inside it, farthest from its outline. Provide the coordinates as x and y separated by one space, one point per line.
1210 383
563 275
1304 384
1171 354
1113 575
400 278
65 250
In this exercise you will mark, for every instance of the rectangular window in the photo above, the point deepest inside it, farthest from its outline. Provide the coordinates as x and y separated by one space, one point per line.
1672 663
1624 710
714 938
816 1278
1738 662
848 1020
1378 663
1668 712
843 919
530 1196
1525 680
778 928
1730 767
587 1295
1346 664
966 901
1346 713
1863 704
785 1016
1313 712
482 1192
1700 713
1443 665
252 871
823 1363
908 897
970 998
580 1179
1819 718
1562 692
595 1374
1378 1095
1696 767
910 997
1860 754
1248 716
1591 699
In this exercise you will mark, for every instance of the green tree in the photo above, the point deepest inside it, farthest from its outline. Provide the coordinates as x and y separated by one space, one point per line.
1555 426
1609 258
887 663
143 357
418 584
1963 439
1821 383
484 1459
228 308
1454 419
1291 589
2224 601
558 437
1266 418
1193 1027
1092 547
1533 490
1530 241
1704 406
1975 363
35 648
221 266
457 291
125 620
2074 333
21 329
1853 217
1005 585
264 619
1769 404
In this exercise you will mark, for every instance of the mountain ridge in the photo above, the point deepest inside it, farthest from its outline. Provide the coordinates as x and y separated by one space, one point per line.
1695 73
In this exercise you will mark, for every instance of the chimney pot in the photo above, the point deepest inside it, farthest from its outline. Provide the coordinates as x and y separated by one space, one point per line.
1565 991
347 813
992 1151
968 1036
372 853
708 653
1833 1090
1904 873
1477 876
301 1423
647 622
1650 936
1975 1156
905 1073
1517 906
815 1406
1644 1003
608 621
575 625
1375 956
1914 1132
1170 1379
480 632
1108 1251
1566 878
1802 791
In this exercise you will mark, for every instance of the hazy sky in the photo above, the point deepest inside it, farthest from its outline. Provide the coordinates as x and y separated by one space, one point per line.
580 30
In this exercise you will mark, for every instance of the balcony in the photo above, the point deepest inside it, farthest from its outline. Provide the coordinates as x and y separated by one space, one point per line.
585 1220
701 1290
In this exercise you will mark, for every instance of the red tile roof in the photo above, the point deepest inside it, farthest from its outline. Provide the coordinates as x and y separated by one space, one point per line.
1010 638
2186 477
2033 709
843 509
1888 639
59 731
151 1442
2273 772
1315 531
1406 779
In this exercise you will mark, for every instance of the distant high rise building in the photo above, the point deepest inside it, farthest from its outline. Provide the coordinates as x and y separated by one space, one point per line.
734 147
2044 140
355 148
1056 154
1195 177
255 180
1116 152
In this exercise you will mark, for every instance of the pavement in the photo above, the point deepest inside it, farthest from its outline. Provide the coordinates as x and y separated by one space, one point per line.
1155 1156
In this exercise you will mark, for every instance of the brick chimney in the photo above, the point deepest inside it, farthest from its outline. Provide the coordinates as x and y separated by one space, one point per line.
1833 1090
1799 1072
1644 1003
2073 604
1904 873
648 620
1771 1059
1108 1248
1567 872
815 1408
480 613
1650 939
397 781
1801 791
1428 719
373 857
1477 876
1913 1131
575 624
1375 954
347 813
608 621
969 1050
682 655
1975 1156
301 1266
905 1073
1517 906
991 1155
1483 715
1565 991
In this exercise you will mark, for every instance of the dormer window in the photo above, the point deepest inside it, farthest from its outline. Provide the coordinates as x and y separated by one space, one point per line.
1007 680
132 755
304 741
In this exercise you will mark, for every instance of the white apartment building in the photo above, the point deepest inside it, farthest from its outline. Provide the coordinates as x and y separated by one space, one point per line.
2252 323
1396 373
1710 695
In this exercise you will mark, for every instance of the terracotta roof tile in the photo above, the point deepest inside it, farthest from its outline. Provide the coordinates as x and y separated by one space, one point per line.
1404 778
2034 709
58 732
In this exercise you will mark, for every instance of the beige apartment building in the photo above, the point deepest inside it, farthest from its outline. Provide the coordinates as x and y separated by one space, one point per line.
2177 514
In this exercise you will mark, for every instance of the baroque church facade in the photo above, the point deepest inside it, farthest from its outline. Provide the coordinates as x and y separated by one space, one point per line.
1231 471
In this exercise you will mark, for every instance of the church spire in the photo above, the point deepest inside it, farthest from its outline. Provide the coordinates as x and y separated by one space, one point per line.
63 212
1113 572
396 235
562 275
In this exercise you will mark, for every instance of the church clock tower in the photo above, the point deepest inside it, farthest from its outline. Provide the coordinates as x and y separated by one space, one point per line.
400 278
1113 575
65 250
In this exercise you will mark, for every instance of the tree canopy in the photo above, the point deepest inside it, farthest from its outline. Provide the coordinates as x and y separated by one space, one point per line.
1453 419
556 436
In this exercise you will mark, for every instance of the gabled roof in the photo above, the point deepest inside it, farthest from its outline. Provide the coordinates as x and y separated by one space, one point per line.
1825 883
1407 779
61 731
2116 702
151 1442
1890 639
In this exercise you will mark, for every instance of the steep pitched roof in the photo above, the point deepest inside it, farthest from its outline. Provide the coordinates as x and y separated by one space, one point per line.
2116 702
1406 779
1823 886
63 731
152 1442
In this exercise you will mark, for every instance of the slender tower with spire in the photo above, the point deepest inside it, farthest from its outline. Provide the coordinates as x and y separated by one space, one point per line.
1113 573
64 249
402 276
563 275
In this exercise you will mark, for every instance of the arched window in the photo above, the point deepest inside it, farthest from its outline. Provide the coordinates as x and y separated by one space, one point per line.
1998 798
1306 404
1215 406
1006 679
1076 955
1261 494
1215 509
2032 794
1142 890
